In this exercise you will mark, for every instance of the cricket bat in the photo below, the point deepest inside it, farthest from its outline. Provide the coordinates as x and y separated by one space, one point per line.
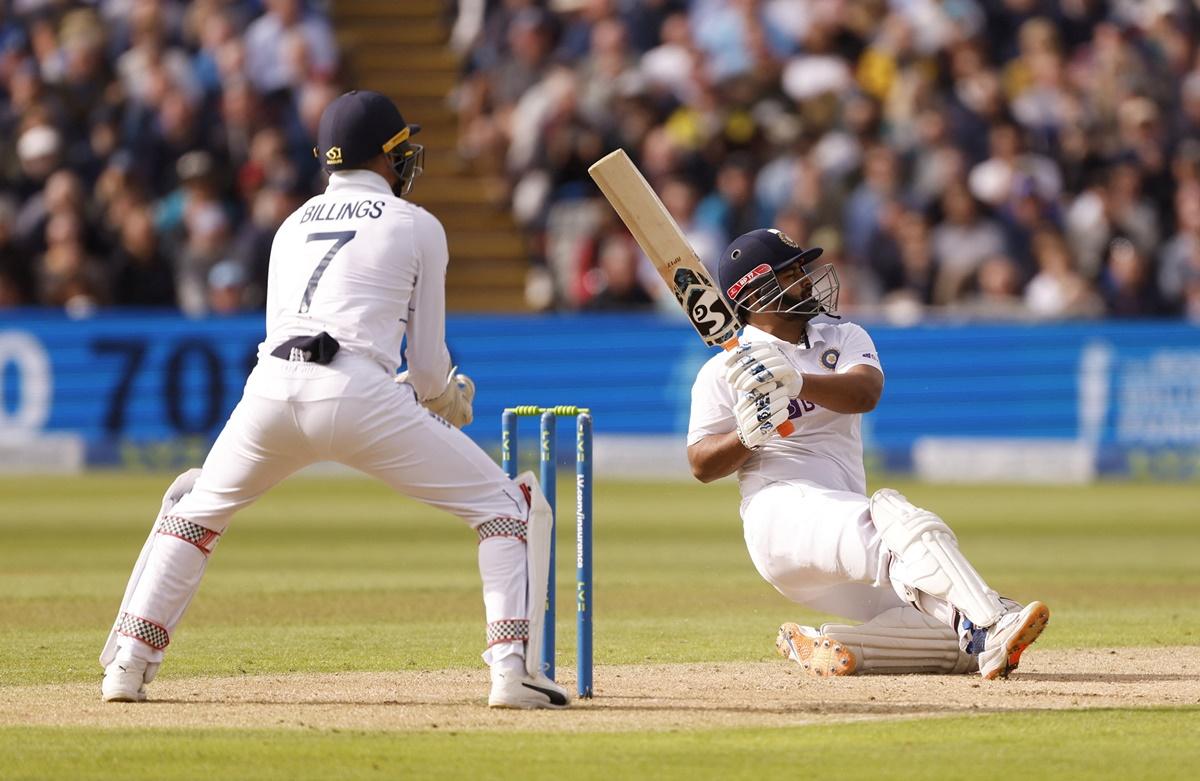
660 238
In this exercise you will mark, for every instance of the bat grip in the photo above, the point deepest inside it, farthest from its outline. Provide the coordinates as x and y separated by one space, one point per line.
785 428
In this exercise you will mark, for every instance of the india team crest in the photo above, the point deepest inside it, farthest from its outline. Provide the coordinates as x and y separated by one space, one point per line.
829 358
786 239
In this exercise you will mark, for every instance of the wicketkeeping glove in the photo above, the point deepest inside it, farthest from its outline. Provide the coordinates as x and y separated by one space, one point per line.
759 414
454 403
755 365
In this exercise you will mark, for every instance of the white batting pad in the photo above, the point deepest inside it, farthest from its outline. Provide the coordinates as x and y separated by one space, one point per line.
537 551
928 558
901 641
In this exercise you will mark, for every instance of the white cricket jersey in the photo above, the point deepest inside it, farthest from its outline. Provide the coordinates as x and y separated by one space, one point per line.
367 268
826 447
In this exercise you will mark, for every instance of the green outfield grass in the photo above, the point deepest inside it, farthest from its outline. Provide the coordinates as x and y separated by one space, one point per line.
1070 745
340 574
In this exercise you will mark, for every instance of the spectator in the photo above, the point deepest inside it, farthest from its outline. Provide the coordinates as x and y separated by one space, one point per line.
1128 285
615 282
1112 208
227 285
1058 290
993 180
997 291
16 276
1191 298
900 258
142 276
880 184
287 26
67 275
63 194
732 208
962 241
1179 260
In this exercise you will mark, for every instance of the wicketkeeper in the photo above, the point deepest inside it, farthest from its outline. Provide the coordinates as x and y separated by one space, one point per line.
352 273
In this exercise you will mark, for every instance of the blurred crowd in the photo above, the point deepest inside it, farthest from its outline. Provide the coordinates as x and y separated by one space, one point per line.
995 158
150 148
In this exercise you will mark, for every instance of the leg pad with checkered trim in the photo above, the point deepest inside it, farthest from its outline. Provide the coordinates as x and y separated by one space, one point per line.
143 629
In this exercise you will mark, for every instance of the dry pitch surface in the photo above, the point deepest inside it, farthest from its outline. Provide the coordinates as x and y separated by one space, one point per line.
635 697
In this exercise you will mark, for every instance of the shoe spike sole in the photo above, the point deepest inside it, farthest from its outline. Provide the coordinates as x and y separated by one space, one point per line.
820 656
1034 625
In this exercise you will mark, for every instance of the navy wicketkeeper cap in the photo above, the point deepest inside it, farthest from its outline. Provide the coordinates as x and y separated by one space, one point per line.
358 126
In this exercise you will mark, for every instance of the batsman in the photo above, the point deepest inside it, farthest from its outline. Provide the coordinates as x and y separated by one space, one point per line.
811 529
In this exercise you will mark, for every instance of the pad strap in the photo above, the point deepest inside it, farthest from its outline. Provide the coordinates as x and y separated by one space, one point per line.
203 538
502 527
150 633
507 630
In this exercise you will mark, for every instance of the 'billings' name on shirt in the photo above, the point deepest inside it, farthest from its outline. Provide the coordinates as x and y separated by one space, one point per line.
331 212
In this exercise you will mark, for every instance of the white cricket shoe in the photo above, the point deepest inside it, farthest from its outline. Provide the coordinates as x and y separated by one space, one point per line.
819 655
518 690
125 679
1008 638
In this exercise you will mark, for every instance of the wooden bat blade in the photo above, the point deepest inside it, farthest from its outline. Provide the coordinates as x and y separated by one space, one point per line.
660 237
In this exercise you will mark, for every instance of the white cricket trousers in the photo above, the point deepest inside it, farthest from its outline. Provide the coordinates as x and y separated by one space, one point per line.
819 547
354 413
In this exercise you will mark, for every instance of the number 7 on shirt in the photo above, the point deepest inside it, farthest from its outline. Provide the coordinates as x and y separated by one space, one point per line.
660 238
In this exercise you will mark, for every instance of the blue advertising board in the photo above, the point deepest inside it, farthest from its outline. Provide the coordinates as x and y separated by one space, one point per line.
138 388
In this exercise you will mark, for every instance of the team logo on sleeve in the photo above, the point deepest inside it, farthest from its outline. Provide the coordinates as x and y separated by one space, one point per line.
829 358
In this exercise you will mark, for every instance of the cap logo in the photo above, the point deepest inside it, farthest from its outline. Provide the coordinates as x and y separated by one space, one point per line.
786 239
750 276
400 137
333 156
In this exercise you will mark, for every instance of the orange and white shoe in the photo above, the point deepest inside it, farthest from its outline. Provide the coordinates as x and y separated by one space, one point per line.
1008 638
819 655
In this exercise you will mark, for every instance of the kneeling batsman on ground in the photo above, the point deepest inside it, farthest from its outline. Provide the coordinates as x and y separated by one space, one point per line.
453 404
812 530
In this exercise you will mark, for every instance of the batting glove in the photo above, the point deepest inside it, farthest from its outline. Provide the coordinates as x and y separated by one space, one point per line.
761 366
759 414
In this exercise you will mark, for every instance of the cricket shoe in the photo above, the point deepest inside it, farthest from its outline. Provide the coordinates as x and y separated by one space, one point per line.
518 690
819 655
1008 638
125 679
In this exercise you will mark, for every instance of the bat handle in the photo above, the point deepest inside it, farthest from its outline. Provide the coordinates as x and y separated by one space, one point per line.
785 428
